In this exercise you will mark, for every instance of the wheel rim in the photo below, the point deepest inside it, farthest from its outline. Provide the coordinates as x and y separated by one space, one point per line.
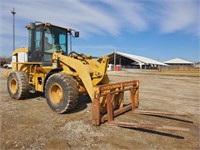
13 86
56 93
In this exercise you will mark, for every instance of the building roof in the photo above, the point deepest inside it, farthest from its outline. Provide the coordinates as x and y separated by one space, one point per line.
178 61
140 59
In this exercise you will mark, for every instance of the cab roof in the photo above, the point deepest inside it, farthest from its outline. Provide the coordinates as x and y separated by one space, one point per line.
47 24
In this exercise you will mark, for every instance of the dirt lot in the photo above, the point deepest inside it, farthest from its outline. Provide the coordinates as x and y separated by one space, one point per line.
30 124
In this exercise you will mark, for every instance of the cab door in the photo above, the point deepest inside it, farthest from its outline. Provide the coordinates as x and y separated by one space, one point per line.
35 45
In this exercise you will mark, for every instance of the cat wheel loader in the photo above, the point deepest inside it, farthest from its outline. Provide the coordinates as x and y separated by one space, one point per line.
48 66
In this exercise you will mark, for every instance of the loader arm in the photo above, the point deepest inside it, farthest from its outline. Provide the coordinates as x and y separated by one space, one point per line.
91 72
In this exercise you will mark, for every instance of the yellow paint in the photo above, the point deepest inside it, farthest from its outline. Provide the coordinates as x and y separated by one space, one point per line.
56 93
19 50
13 85
89 71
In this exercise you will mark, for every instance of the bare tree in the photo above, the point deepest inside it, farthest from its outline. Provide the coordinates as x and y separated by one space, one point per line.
5 60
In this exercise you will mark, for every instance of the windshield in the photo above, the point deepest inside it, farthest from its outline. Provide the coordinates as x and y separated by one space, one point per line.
55 40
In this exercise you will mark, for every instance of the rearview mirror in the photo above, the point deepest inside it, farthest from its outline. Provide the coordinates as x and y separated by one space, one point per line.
76 34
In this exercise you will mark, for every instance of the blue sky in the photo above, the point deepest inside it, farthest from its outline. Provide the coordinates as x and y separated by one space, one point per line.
158 29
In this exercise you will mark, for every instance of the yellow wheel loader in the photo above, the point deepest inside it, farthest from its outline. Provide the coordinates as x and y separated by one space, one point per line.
47 66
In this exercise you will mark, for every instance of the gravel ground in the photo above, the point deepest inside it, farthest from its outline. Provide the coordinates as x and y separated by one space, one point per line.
30 124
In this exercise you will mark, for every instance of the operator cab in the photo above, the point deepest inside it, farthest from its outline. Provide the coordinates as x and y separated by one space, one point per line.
45 39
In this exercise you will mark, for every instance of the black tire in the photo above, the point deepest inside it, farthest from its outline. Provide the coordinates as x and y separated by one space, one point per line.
17 85
61 92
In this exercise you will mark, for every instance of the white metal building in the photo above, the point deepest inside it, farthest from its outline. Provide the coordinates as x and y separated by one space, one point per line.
133 61
179 62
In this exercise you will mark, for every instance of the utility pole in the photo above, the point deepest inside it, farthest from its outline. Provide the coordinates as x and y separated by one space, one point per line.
13 12
114 60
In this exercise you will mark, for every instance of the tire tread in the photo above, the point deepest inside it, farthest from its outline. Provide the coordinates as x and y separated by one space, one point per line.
71 85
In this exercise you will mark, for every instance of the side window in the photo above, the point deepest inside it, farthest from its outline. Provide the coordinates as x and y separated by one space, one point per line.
48 46
62 42
38 40
48 41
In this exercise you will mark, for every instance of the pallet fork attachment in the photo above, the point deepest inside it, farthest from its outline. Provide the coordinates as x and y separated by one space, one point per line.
113 97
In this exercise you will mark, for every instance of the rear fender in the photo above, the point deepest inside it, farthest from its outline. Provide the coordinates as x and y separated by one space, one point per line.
53 71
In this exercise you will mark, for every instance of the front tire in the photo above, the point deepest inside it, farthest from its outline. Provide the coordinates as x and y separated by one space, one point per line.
61 92
17 85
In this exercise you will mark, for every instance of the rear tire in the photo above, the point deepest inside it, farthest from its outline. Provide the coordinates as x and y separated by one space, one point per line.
61 92
17 85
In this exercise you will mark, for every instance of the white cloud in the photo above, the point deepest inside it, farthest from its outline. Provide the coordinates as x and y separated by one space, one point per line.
179 15
79 14
97 50
129 13
101 16
72 13
67 13
91 18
